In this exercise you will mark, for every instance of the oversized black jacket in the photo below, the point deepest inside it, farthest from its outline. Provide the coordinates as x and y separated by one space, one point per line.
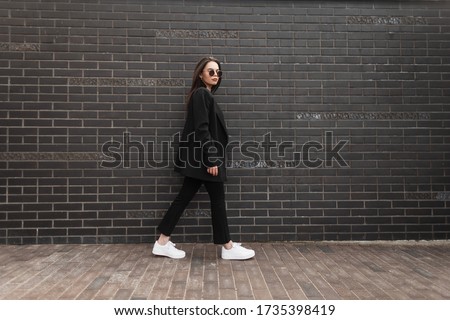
204 139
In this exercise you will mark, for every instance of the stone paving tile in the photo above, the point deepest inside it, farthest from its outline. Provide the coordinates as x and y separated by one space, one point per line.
294 270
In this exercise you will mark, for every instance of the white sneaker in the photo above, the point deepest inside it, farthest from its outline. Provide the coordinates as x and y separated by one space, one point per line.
168 250
237 252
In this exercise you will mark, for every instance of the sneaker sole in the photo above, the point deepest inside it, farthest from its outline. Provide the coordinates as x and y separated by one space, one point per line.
166 255
240 258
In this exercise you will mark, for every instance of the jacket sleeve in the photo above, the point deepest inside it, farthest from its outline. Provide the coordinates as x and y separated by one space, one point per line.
203 105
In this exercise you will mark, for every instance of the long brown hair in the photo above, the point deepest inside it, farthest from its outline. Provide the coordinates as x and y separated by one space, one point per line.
197 82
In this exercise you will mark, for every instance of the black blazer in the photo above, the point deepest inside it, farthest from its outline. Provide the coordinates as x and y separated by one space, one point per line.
204 139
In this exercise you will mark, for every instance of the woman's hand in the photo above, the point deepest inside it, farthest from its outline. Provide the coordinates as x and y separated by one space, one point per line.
214 171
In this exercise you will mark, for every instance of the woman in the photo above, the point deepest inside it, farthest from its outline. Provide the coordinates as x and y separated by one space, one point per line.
201 159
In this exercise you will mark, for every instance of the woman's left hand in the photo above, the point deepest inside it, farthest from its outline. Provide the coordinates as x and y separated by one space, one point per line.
214 171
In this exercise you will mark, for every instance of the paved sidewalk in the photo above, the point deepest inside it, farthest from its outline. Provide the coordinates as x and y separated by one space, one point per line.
298 270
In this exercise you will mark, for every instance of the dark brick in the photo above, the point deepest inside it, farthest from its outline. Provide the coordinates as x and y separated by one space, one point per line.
295 69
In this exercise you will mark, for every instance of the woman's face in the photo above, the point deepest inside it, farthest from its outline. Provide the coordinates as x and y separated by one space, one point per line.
208 79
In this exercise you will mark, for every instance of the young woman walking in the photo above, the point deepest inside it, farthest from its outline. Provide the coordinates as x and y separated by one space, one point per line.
201 159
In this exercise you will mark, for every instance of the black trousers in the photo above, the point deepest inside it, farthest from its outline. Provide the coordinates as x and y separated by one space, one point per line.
216 191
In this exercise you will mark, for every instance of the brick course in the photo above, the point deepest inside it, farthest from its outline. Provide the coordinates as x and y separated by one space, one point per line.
92 96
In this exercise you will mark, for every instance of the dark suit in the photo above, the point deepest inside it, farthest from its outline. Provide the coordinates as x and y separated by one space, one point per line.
202 145
204 139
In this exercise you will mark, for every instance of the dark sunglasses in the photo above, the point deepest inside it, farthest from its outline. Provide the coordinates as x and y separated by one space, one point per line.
211 72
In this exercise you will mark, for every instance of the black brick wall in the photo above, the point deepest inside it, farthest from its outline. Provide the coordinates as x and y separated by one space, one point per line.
82 82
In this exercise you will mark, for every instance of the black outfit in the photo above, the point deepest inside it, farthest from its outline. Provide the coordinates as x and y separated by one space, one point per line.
204 139
202 145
